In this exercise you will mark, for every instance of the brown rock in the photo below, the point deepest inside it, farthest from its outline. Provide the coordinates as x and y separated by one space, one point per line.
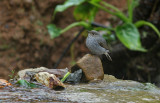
92 67
28 74
49 80
4 83
22 74
59 73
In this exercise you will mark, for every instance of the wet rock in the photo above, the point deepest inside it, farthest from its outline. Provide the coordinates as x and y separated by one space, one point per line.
29 74
4 83
42 75
50 80
74 77
110 90
92 67
59 73
22 74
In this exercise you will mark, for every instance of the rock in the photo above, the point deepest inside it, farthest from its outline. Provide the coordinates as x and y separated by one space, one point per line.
28 74
110 90
109 78
22 74
74 77
4 83
45 76
50 80
59 73
92 67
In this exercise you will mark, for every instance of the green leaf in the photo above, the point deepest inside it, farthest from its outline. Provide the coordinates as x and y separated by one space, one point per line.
26 84
96 1
109 38
81 23
130 37
67 4
85 11
131 5
141 23
53 30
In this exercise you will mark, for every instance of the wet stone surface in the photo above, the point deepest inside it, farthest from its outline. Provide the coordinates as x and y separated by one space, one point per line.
108 91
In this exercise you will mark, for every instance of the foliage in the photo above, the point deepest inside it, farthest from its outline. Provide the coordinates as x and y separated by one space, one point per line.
129 36
141 23
12 75
26 84
53 30
67 4
86 10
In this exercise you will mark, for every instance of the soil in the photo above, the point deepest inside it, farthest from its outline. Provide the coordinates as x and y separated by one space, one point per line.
25 42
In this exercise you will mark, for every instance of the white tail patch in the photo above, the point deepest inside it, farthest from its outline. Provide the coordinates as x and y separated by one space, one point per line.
108 57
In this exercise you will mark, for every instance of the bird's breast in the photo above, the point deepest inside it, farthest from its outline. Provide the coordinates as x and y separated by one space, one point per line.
93 46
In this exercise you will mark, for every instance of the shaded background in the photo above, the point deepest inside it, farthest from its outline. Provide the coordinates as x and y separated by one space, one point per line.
25 42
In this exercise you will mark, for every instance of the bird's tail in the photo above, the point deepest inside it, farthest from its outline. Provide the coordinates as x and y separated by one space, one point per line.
108 57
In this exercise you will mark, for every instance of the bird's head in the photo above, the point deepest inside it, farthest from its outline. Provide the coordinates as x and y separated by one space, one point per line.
93 33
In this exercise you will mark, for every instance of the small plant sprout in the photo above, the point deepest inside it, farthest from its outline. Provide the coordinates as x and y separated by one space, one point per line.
12 74
65 76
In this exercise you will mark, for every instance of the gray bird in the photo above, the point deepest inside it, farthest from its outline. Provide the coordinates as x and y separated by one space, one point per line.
97 44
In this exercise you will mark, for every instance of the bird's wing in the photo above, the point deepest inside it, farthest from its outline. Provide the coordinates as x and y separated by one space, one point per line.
102 42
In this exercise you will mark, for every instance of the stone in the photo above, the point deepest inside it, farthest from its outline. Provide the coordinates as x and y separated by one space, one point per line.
110 90
28 74
92 67
45 76
49 80
22 74
4 83
59 73
74 77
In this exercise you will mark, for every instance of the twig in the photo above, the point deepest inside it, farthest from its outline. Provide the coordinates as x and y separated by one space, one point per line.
154 8
69 45
100 25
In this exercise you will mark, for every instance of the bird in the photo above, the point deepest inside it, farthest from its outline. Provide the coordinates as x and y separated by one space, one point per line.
97 44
